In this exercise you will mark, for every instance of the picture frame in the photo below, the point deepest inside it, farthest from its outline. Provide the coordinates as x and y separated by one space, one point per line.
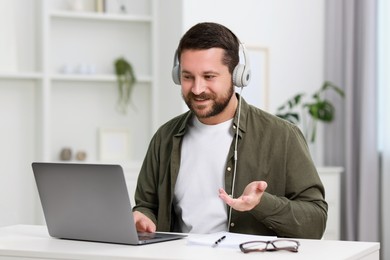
114 144
257 92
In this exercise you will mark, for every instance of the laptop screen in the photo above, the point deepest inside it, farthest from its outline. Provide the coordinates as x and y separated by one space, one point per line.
86 202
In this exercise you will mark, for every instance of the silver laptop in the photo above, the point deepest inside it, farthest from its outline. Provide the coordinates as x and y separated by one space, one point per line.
89 202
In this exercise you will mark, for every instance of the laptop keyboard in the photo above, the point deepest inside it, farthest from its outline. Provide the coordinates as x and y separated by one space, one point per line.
146 236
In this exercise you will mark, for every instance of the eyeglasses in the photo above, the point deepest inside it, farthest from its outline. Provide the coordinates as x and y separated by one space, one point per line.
263 246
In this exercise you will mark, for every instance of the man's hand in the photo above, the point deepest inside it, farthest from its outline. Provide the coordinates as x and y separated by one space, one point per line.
143 223
249 199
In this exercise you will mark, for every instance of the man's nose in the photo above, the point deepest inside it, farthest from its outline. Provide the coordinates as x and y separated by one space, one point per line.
198 86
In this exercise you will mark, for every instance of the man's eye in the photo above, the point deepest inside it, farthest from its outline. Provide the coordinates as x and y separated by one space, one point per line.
186 77
209 77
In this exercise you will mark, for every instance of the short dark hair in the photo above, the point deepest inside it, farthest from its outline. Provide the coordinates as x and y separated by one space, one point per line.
208 35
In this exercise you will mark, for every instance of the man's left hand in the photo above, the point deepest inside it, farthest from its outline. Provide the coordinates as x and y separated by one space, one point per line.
249 199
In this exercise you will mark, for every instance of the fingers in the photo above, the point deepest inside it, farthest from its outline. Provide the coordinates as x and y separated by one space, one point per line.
222 193
225 197
143 223
249 199
262 186
143 226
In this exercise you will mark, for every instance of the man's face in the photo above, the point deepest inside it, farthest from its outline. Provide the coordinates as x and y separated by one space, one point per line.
206 83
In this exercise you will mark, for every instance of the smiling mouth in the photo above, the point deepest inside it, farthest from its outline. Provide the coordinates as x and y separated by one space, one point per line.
199 99
200 103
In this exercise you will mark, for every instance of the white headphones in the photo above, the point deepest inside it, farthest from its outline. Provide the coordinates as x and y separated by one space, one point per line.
241 74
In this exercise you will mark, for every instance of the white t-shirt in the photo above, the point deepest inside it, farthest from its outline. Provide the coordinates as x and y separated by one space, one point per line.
204 154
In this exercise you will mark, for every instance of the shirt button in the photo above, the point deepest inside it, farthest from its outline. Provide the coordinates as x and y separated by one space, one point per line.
229 169
232 224
234 127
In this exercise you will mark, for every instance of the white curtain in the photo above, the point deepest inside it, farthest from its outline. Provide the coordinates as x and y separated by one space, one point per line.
351 63
384 120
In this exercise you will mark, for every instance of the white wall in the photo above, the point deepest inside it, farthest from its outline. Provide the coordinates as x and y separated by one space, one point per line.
293 32
169 31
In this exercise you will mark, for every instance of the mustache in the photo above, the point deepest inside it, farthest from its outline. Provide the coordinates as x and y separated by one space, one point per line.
200 96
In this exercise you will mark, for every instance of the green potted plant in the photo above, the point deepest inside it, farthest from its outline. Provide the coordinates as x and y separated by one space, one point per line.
126 79
317 109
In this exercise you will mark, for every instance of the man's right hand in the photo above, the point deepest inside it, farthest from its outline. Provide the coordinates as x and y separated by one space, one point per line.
143 223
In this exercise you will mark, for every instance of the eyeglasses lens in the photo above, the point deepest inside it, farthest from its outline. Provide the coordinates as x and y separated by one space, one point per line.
271 246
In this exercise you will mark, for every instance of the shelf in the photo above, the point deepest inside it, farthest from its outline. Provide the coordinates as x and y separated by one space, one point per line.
95 78
21 75
50 100
100 16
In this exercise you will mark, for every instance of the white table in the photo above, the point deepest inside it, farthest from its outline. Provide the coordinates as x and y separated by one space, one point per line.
29 242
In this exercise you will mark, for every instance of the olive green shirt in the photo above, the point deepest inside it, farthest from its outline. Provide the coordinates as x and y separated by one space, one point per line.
269 149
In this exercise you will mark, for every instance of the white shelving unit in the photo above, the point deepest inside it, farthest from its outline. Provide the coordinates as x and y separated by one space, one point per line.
21 76
74 39
19 84
49 109
101 16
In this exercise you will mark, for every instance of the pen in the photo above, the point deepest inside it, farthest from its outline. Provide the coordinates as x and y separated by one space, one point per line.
218 241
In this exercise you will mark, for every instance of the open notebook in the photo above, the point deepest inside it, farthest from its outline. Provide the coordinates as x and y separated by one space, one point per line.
231 240
89 202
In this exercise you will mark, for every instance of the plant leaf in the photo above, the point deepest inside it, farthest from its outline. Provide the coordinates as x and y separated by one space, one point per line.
330 85
126 80
291 117
322 110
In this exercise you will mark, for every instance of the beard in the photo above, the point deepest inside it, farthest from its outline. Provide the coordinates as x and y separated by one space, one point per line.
218 104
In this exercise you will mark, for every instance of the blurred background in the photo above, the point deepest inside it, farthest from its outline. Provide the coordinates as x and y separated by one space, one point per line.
60 98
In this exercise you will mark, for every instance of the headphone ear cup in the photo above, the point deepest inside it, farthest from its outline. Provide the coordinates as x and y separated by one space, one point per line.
246 76
176 69
242 72
176 74
237 75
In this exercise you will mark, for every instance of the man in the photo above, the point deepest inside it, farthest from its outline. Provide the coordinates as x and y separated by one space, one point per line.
222 146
